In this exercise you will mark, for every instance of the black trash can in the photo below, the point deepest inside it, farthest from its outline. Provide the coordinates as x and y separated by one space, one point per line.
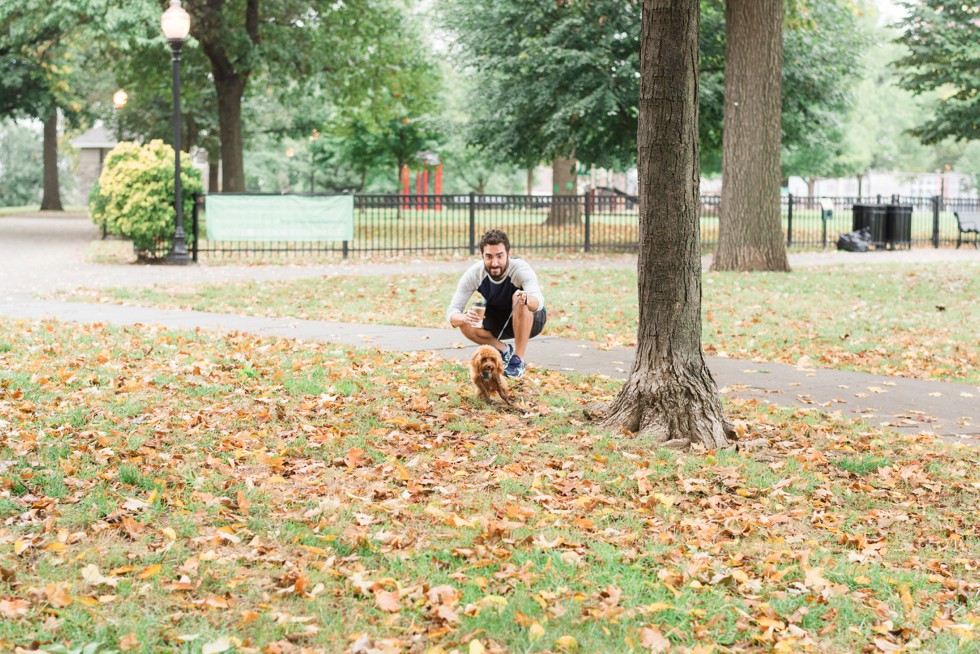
898 225
871 216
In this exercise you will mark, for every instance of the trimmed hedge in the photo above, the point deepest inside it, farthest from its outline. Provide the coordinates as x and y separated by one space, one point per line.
134 195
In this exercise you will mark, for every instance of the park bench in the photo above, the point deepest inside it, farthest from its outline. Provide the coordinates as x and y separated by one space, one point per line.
968 222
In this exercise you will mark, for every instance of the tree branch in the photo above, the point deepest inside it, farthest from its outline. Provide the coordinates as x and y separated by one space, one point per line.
252 21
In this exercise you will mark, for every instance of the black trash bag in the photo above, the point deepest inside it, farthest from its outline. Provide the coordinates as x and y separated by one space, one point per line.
858 241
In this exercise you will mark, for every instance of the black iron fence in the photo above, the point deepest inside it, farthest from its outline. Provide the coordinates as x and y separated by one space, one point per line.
448 224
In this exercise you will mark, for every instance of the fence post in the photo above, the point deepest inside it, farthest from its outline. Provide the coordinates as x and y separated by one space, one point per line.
935 220
823 221
197 204
588 219
345 249
472 223
789 221
878 201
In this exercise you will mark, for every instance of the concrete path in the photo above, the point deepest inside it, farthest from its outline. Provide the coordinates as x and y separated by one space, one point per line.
40 255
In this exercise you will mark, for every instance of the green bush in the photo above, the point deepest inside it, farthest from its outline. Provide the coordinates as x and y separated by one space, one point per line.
134 195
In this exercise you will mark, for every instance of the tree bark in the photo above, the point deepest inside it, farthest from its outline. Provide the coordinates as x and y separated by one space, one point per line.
670 393
750 233
811 185
230 89
565 208
231 71
51 200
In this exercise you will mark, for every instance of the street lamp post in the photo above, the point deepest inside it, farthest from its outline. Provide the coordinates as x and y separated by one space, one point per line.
176 24
119 99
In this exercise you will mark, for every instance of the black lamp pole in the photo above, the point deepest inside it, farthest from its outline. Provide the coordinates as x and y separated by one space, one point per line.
178 252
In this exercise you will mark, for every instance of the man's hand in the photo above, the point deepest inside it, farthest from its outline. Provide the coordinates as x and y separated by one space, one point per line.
521 297
469 318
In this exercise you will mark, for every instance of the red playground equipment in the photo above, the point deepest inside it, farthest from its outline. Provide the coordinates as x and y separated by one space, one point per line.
421 199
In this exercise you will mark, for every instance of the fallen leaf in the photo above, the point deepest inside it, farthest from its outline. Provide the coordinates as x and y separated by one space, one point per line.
14 608
129 642
58 595
151 571
653 640
388 601
566 642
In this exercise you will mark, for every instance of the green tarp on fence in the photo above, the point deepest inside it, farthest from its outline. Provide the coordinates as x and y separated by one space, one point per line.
279 218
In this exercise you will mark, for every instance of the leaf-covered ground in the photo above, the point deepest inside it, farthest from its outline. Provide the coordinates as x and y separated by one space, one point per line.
178 491
897 320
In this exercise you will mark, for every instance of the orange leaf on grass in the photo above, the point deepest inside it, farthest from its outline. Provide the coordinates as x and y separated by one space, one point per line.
151 571
355 458
14 608
388 601
129 642
58 595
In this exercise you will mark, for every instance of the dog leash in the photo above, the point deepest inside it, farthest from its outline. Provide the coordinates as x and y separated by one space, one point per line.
506 322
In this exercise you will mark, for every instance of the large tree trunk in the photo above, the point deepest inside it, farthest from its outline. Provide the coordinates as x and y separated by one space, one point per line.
565 206
811 186
51 200
751 228
230 89
670 392
213 21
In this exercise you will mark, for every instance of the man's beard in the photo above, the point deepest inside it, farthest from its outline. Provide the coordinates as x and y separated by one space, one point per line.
499 275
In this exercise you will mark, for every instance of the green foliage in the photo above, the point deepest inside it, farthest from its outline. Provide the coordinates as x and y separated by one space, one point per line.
555 79
136 190
20 165
878 132
43 50
822 66
944 55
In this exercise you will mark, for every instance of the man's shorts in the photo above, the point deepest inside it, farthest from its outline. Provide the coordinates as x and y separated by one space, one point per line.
494 322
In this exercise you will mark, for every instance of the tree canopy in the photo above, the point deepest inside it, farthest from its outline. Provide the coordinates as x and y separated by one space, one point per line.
553 75
556 79
944 55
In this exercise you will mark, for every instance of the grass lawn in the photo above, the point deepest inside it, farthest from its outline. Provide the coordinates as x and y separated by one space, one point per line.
888 319
34 210
178 491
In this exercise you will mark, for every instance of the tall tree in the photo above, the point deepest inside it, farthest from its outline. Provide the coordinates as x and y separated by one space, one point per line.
557 80
944 54
341 44
46 73
670 392
33 42
823 45
750 235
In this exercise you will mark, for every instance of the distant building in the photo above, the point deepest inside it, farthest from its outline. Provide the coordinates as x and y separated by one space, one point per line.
949 185
92 146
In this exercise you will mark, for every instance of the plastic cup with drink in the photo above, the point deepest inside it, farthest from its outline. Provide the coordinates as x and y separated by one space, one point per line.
480 309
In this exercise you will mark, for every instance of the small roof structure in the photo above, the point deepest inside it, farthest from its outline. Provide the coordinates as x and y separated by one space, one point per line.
97 138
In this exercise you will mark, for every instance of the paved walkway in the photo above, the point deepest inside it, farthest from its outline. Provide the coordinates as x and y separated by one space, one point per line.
40 255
